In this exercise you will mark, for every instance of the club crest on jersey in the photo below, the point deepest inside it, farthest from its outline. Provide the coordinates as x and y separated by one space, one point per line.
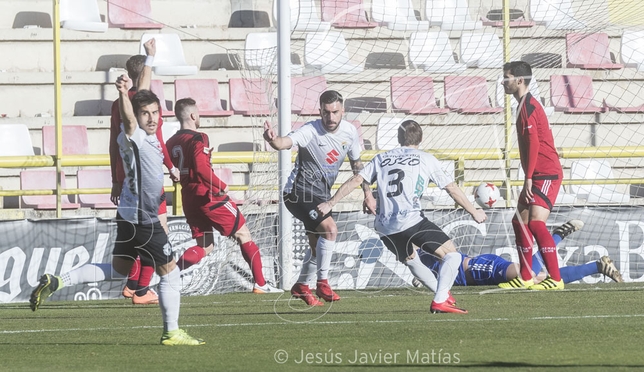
332 156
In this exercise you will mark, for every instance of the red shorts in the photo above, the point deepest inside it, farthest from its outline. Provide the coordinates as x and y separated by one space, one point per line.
204 214
545 190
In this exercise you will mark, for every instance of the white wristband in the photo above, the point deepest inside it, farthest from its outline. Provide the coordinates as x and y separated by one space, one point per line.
149 61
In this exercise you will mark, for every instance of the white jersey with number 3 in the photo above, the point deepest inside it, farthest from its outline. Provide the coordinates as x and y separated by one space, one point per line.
402 175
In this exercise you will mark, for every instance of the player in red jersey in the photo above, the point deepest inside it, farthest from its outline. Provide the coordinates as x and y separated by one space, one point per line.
205 200
137 286
543 175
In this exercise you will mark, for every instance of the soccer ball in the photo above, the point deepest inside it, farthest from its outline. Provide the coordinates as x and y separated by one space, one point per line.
486 195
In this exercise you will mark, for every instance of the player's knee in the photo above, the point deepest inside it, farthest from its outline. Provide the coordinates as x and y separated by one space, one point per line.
517 226
537 226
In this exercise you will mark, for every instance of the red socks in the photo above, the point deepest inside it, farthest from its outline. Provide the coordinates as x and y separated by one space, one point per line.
190 257
144 280
250 251
524 247
547 248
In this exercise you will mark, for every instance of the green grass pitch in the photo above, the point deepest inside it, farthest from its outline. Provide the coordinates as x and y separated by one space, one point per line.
585 327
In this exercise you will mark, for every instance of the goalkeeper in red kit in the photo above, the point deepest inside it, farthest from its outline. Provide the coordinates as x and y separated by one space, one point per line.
543 176
206 204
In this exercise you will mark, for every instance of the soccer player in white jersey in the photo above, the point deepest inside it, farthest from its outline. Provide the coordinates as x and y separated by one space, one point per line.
323 144
138 230
402 174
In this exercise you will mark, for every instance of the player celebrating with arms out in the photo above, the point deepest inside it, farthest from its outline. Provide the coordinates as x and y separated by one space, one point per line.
543 175
402 175
323 145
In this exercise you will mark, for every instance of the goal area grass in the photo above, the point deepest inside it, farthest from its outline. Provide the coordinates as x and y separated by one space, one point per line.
585 327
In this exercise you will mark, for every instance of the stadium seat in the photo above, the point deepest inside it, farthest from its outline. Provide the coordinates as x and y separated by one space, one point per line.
451 15
600 169
543 60
387 133
156 86
534 90
364 144
589 51
494 18
345 14
169 128
260 53
468 95
327 52
397 15
81 15
573 94
482 50
304 16
433 52
555 14
250 96
226 175
414 95
632 49
95 179
131 14
75 141
43 180
205 92
305 94
15 140
169 59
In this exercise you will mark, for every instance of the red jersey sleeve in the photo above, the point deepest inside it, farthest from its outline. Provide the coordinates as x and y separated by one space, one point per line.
166 155
116 164
203 168
531 141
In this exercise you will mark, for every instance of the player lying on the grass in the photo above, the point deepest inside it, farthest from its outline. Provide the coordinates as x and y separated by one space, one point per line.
206 203
402 174
138 230
491 269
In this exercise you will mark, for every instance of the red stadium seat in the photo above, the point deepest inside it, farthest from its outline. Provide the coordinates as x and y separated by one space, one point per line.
129 14
205 92
468 95
305 94
414 95
589 51
250 96
39 180
75 140
573 94
346 14
156 86
95 179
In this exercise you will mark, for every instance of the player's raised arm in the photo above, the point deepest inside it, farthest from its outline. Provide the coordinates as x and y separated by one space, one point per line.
145 77
276 142
461 199
125 106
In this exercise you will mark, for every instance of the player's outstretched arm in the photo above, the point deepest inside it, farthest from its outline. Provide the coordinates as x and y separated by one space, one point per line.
343 191
125 106
145 77
276 142
459 197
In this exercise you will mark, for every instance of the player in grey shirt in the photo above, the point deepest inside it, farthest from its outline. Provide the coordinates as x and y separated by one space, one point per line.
402 175
322 146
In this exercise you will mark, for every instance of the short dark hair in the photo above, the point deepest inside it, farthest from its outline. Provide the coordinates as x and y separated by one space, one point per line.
519 69
181 106
134 66
143 98
330 96
410 133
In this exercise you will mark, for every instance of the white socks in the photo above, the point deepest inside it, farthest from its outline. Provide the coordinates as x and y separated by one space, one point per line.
92 272
324 252
170 299
446 275
422 272
309 265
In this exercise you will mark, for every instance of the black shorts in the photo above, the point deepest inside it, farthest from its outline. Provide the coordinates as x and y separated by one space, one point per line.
303 208
425 235
149 241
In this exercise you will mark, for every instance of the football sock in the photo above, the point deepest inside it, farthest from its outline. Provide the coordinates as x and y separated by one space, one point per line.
309 265
324 251
524 247
90 273
250 251
190 257
547 248
144 280
133 276
170 299
446 275
422 273
572 273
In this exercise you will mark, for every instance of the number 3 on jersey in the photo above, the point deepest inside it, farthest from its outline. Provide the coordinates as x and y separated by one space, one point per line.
395 182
